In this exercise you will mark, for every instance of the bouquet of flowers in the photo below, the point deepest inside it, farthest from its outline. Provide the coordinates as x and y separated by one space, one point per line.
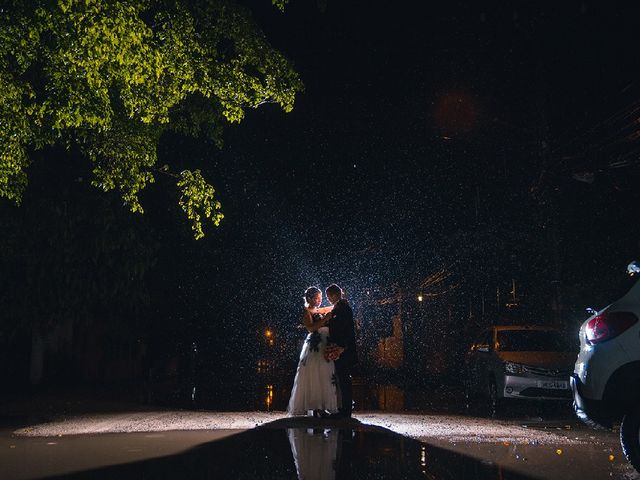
332 352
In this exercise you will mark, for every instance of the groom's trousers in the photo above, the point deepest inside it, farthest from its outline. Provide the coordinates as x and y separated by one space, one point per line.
343 372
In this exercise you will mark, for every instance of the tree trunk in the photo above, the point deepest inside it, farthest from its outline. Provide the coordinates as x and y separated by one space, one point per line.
37 357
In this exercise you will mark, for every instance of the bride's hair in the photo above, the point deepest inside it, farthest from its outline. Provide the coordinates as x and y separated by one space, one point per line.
309 293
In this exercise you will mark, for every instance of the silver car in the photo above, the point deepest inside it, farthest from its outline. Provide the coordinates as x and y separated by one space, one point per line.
518 362
606 380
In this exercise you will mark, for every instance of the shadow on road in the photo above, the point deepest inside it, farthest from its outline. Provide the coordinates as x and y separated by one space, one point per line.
290 448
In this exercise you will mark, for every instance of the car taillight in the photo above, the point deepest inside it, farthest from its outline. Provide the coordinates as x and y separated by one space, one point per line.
608 325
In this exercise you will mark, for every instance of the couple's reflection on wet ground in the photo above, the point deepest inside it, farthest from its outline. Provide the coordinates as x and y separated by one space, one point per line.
316 452
366 453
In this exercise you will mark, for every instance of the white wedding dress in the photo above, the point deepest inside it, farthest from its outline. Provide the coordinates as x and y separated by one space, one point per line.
315 384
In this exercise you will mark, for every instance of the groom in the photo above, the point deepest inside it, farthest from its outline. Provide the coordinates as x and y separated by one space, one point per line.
342 335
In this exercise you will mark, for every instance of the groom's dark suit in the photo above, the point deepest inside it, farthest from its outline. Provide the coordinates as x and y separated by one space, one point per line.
342 333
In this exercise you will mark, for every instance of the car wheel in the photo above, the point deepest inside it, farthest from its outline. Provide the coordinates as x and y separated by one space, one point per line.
630 437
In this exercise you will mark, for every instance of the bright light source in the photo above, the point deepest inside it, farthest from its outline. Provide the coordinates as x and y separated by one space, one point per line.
268 333
420 298
269 399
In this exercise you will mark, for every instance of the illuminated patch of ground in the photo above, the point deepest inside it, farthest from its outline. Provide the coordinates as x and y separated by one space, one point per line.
451 428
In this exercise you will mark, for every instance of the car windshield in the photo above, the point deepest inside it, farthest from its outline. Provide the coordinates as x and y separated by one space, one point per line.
532 341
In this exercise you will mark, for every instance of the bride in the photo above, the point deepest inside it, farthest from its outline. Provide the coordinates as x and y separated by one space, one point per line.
314 387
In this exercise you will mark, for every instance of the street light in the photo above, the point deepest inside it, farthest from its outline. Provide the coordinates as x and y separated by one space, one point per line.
420 298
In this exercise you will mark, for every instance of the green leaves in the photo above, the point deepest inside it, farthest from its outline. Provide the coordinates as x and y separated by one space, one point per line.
198 201
113 77
15 132
13 163
123 160
280 4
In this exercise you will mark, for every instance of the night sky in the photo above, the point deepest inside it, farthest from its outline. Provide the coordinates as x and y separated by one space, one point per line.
425 138
491 141
444 138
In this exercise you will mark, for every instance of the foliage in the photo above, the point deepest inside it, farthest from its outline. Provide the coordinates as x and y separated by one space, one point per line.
112 77
280 4
197 200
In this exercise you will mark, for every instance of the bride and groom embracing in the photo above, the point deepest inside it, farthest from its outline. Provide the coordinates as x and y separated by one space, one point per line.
323 379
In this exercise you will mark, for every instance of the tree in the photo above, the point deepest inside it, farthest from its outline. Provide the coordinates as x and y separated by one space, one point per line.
72 263
111 78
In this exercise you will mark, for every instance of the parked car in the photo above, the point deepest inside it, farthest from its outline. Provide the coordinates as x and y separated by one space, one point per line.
518 362
606 378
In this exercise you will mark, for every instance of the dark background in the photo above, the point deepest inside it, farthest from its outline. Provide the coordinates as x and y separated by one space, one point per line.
496 143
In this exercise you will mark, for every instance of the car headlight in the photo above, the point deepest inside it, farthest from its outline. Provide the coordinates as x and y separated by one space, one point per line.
510 367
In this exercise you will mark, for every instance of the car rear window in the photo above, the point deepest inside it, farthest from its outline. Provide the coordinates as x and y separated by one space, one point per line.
532 341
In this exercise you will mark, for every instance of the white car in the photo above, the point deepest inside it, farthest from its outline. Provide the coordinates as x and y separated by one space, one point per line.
606 378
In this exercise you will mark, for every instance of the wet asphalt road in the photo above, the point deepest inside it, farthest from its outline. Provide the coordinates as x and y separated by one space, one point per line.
260 445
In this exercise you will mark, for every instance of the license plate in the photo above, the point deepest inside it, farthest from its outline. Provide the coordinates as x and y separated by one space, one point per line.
554 385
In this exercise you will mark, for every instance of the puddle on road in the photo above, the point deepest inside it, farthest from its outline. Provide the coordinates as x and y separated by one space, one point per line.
302 453
310 449
566 462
